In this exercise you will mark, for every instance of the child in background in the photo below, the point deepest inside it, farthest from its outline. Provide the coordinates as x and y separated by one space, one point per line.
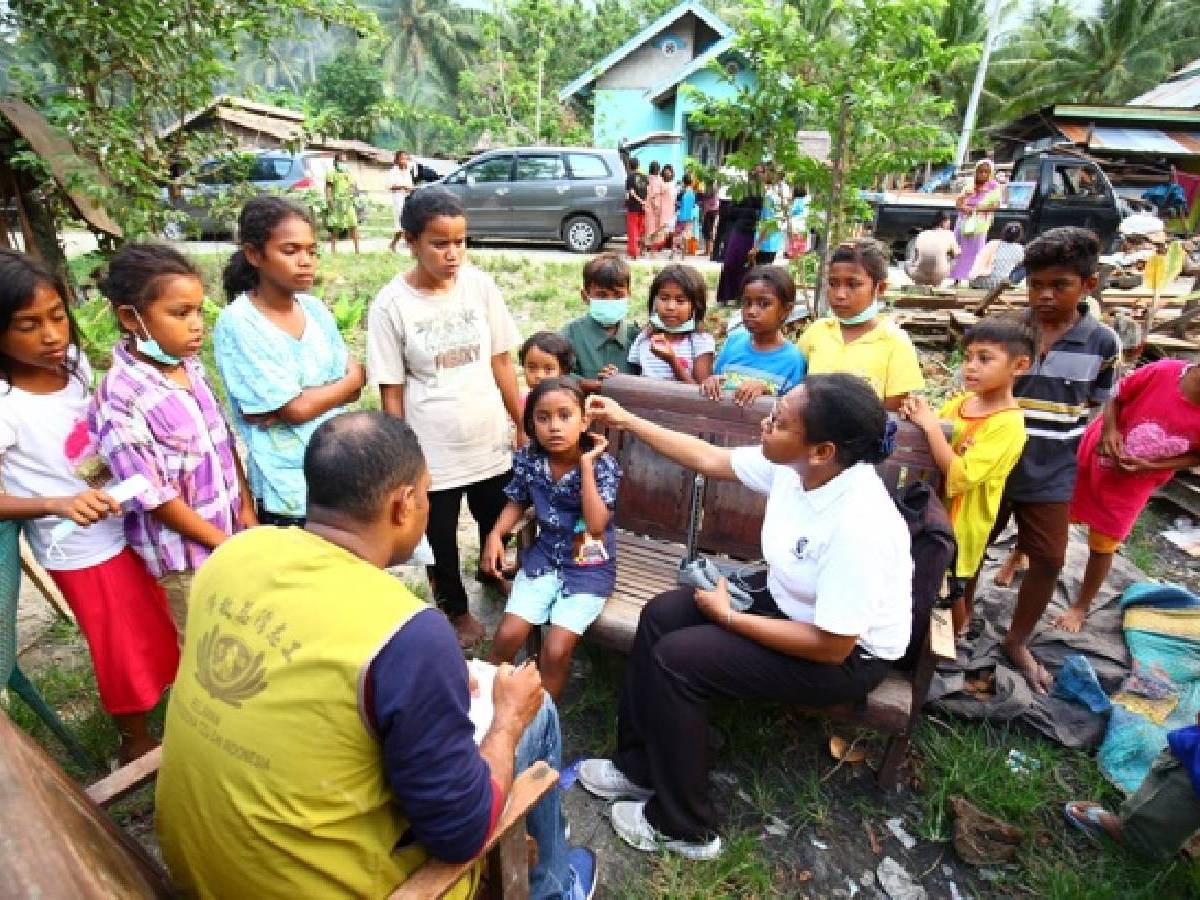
770 236
757 359
675 346
1075 367
569 572
155 415
49 471
1148 431
601 339
856 337
685 225
545 354
988 436
284 363
439 344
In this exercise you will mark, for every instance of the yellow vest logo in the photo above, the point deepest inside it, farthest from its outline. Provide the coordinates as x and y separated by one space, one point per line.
227 669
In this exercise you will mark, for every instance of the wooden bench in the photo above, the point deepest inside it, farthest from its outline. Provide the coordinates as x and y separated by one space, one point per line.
652 518
58 842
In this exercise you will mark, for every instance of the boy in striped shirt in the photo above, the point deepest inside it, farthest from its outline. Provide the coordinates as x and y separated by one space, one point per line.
1074 371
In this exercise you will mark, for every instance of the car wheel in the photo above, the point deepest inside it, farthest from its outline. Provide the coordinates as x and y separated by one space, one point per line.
582 234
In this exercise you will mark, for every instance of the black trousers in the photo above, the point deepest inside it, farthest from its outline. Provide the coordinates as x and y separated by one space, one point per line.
270 518
486 500
680 661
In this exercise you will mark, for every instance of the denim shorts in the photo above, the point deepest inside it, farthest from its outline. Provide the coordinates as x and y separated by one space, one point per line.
540 600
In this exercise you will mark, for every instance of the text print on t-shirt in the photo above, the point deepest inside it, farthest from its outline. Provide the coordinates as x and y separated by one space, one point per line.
454 343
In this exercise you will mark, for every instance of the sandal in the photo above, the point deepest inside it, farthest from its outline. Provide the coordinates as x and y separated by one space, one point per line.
1087 819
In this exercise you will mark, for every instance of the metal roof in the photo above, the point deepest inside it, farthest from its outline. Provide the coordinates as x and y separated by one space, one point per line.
1179 92
1127 113
665 20
1133 140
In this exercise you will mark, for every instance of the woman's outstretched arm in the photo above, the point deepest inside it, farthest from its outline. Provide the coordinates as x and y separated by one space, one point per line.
690 452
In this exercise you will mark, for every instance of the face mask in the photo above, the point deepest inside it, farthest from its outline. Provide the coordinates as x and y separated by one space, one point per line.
608 310
863 317
689 325
148 346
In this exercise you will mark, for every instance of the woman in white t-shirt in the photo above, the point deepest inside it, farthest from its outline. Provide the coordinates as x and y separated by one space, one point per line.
439 342
401 180
50 471
831 615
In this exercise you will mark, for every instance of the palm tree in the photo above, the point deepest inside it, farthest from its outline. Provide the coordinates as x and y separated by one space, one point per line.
427 38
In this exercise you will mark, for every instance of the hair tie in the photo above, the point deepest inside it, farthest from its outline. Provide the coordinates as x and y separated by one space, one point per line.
887 443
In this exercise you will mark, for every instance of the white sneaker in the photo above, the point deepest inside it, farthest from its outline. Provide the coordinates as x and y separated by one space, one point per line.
602 778
630 823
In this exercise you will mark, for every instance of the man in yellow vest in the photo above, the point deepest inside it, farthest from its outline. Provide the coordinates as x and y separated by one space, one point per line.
317 741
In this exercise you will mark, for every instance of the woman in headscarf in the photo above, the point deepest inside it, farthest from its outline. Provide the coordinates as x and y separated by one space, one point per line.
975 207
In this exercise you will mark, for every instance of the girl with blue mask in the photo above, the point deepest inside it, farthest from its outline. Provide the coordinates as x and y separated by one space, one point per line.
857 337
675 346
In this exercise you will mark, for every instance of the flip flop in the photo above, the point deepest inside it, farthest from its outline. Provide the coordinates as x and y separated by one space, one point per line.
1088 821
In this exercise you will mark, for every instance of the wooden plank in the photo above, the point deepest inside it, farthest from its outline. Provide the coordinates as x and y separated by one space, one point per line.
436 877
508 865
42 581
941 635
126 779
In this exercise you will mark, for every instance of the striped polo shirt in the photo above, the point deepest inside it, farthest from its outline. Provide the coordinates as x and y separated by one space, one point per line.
1078 371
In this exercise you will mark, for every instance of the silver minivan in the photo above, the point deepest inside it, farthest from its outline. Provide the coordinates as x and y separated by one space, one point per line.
572 194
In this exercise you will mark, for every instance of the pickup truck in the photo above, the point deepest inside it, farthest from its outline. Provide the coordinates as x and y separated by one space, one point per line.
1046 190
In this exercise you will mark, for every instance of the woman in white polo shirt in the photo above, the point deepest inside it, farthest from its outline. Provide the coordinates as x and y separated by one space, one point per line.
834 612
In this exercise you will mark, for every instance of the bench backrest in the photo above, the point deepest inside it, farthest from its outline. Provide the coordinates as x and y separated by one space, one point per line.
655 496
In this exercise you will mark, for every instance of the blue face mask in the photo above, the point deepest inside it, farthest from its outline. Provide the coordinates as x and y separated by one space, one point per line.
149 348
608 311
863 317
689 325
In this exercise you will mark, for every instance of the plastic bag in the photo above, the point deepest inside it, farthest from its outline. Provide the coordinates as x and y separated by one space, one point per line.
1078 683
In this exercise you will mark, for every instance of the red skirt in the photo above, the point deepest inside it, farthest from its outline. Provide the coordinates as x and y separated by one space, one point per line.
124 617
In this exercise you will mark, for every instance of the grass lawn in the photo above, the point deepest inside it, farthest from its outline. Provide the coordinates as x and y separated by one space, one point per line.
785 798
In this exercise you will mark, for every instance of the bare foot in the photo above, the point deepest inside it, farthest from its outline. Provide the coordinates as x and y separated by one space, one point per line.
468 629
1039 680
1015 562
1071 620
132 748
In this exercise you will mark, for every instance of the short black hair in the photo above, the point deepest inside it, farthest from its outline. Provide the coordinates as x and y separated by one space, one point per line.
546 387
1071 247
1012 233
426 204
942 218
134 273
258 219
354 460
550 342
1016 339
845 410
867 253
777 278
655 168
606 270
688 280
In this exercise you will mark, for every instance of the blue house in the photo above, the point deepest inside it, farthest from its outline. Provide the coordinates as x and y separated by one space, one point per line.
636 93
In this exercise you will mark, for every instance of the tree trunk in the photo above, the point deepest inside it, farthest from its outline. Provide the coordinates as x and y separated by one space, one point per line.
833 208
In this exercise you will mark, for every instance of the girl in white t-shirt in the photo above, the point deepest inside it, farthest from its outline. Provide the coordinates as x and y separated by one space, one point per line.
823 627
675 346
50 471
439 344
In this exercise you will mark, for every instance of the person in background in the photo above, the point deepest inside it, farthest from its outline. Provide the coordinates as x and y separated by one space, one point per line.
798 225
401 180
653 226
710 206
769 238
998 259
934 249
635 209
685 224
1074 369
50 473
976 205
601 338
675 345
340 214
156 415
857 337
545 354
439 345
1148 431
667 213
743 217
757 359
322 746
988 434
281 357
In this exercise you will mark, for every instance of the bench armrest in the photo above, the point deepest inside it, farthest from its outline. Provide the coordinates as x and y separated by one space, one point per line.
436 877
126 779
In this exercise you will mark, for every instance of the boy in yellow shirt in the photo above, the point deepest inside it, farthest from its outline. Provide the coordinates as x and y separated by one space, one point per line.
985 444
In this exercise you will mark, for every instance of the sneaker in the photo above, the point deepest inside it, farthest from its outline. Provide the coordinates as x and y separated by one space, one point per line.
630 823
601 778
586 866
